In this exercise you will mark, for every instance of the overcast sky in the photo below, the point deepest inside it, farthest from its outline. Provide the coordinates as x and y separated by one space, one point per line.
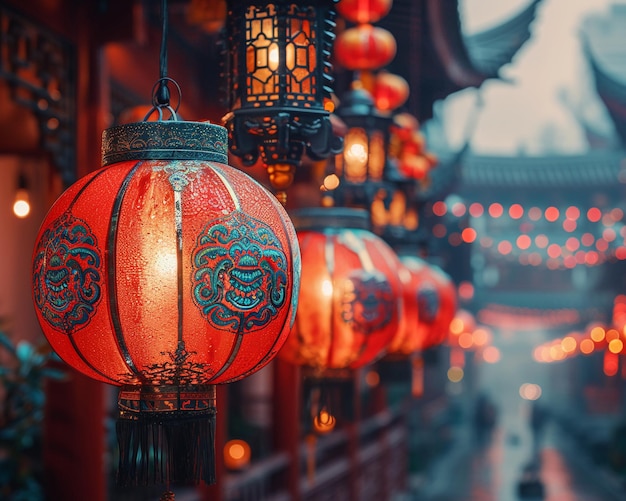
533 114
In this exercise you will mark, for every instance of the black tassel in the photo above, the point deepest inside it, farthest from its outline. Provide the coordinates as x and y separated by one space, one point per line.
165 447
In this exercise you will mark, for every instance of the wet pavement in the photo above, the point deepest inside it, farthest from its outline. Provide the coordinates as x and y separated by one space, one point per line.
491 468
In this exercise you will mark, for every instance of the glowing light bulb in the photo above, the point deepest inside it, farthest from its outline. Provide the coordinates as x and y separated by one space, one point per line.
21 205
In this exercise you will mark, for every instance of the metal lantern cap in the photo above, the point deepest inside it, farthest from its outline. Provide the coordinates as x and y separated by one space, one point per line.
165 140
320 218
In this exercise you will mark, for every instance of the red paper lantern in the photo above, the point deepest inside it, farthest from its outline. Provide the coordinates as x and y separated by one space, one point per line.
364 11
365 47
435 298
350 308
165 273
390 91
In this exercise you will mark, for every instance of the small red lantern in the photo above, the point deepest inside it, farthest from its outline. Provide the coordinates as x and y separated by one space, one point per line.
351 306
436 301
364 11
365 47
390 91
165 273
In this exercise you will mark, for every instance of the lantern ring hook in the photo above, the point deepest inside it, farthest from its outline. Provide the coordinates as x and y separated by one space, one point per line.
158 103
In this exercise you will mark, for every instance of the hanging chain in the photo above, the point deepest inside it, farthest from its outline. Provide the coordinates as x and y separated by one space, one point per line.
161 91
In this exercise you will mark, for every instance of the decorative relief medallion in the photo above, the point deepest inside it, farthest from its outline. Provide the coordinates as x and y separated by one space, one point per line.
240 273
367 302
67 274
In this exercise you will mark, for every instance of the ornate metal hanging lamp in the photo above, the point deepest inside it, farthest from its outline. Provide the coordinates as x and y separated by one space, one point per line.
166 272
279 79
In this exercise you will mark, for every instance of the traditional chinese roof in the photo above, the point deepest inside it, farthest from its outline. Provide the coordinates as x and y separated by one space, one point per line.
603 43
437 59
491 49
597 169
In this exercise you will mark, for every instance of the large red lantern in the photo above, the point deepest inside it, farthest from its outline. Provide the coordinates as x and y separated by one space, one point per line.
364 11
166 272
350 308
365 47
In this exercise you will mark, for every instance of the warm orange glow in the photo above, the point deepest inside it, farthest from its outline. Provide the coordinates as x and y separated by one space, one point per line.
481 336
594 214
355 154
568 344
516 211
331 182
572 213
611 334
541 241
468 235
372 379
572 244
455 374
236 454
523 242
495 210
616 346
439 208
458 209
457 326
324 422
556 352
569 225
602 245
587 239
491 355
554 250
466 290
551 214
597 334
539 354
466 340
476 210
608 234
505 247
592 258
587 346
530 391
21 203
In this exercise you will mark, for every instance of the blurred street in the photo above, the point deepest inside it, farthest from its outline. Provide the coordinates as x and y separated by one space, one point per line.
492 470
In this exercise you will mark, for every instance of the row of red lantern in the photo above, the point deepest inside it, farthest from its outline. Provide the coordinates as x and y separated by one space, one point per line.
361 301
408 147
167 277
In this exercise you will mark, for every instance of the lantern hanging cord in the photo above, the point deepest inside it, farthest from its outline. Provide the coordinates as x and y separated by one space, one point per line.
161 91
163 96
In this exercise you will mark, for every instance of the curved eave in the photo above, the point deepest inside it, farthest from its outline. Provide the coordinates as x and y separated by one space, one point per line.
611 91
445 26
491 49
598 169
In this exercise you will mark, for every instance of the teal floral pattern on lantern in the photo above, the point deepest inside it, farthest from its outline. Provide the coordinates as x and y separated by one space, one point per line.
67 274
240 273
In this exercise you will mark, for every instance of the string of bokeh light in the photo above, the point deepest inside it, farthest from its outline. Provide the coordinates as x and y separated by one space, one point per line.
556 238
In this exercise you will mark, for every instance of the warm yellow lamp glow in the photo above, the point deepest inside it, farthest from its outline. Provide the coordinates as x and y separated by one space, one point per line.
455 374
237 454
21 204
324 422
